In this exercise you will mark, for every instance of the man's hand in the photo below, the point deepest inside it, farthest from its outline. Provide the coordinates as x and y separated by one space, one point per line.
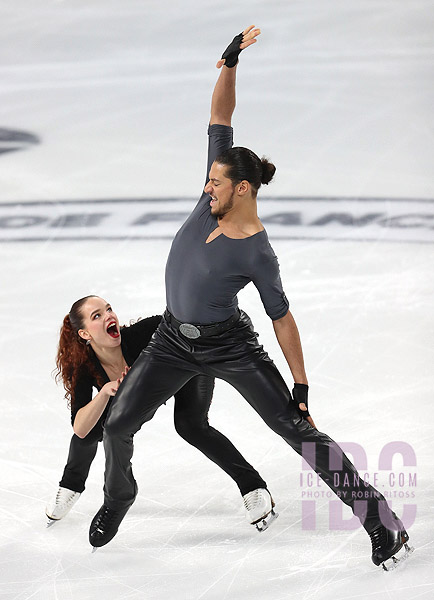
299 394
240 42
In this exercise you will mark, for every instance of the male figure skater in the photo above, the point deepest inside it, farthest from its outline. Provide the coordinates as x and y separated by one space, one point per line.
222 247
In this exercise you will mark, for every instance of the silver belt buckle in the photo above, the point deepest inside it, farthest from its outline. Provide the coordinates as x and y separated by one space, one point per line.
190 331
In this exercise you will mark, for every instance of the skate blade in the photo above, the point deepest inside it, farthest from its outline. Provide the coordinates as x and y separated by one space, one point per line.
265 523
395 561
94 549
51 522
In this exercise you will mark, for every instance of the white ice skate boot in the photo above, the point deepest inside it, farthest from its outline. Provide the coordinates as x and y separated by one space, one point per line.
259 507
61 505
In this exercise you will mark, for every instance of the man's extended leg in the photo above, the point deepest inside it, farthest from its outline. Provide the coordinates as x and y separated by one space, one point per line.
264 388
267 393
249 369
150 382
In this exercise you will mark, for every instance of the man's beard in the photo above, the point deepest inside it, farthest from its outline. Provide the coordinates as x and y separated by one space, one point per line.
221 212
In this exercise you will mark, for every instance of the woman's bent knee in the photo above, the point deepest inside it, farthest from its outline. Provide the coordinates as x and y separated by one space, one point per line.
188 428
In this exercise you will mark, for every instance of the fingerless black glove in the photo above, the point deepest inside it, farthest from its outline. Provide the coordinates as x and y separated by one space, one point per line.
232 51
299 393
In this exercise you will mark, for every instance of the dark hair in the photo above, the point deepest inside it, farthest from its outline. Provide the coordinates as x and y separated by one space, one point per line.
243 163
74 356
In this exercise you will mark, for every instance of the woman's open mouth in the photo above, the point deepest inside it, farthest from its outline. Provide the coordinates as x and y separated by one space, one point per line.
113 330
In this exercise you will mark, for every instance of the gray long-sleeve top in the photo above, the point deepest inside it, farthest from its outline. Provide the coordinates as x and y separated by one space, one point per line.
203 280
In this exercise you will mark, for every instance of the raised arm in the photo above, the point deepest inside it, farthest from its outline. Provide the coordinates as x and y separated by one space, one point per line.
223 98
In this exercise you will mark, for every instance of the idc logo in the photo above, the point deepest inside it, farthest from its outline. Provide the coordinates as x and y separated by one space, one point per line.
396 478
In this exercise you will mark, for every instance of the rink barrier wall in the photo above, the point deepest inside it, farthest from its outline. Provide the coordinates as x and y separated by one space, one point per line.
285 218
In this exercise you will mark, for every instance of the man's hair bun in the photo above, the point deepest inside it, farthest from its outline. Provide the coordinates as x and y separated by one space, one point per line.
268 170
242 163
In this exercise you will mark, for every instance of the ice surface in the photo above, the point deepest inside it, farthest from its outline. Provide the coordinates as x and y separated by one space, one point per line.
339 94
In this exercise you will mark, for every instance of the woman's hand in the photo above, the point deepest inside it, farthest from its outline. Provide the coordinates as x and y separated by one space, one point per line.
87 417
112 387
122 377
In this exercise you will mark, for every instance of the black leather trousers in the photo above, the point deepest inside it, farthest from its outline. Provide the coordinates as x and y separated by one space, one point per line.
192 403
80 457
170 360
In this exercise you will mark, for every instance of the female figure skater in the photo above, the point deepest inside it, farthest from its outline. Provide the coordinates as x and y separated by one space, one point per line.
95 352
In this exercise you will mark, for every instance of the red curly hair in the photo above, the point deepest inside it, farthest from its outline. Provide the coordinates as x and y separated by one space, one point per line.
74 358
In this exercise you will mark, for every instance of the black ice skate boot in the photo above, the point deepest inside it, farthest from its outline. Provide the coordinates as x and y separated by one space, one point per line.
389 547
105 525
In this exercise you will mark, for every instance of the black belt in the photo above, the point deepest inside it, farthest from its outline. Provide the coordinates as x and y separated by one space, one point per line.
195 331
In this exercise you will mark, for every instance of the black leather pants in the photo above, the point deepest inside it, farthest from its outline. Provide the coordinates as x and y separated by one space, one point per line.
192 403
171 360
80 457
